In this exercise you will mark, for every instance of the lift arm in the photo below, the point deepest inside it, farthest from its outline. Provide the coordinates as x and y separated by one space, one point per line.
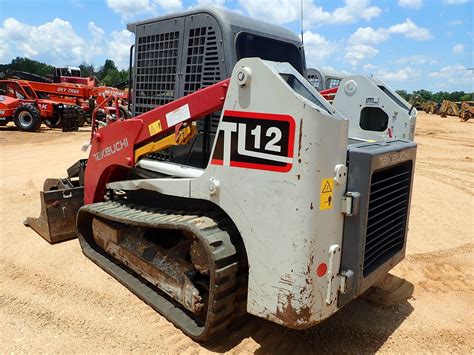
113 150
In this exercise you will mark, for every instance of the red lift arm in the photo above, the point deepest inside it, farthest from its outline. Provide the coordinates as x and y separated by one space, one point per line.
113 146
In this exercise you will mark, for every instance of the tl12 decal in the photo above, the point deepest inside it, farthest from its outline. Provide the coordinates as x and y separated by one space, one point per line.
256 141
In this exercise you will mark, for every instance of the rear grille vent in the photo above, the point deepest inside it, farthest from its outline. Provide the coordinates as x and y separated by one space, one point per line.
387 214
157 63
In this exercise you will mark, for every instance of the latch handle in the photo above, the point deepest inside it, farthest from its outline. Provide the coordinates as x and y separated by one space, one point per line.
350 203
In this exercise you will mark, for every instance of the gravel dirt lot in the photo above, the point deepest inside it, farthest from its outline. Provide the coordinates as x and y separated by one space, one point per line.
53 299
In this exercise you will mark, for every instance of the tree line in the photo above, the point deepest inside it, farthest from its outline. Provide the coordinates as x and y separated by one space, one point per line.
107 74
439 96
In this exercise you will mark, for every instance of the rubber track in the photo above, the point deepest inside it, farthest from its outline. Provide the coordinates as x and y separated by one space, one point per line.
210 227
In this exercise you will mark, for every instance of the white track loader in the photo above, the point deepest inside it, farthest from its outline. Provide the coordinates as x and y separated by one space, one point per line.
286 220
375 112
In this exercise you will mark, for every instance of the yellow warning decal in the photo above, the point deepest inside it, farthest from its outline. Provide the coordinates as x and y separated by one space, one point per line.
325 197
154 128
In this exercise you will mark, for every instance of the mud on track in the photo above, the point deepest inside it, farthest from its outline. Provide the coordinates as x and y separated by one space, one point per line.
52 299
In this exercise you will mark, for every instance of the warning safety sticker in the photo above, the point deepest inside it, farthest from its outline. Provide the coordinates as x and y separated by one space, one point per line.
155 128
326 194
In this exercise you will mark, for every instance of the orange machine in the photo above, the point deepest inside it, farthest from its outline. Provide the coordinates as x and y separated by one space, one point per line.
20 103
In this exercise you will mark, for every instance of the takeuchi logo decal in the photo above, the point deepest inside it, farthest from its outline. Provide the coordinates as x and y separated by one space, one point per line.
111 149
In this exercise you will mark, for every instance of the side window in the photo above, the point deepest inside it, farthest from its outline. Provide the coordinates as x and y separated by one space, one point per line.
300 89
250 45
3 89
373 119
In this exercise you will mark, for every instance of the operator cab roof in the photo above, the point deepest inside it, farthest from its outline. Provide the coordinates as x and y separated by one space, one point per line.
228 19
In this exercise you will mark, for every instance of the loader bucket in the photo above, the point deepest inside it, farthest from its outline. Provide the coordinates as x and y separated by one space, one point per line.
60 201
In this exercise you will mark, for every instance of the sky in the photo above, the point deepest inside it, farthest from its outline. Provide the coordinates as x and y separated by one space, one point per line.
409 44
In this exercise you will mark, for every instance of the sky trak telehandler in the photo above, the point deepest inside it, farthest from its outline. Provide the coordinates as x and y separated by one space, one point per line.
225 196
20 103
30 103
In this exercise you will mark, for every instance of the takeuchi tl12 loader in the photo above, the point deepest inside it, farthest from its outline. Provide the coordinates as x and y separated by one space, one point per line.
375 112
242 196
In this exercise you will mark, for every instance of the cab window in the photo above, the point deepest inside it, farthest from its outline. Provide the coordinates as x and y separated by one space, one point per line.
250 45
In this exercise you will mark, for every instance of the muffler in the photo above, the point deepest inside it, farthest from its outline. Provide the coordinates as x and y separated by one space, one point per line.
60 201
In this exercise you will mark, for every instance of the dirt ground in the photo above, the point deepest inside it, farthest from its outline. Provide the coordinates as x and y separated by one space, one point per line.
52 299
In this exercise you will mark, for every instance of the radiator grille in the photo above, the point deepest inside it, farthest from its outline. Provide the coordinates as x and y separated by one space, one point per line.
387 215
157 63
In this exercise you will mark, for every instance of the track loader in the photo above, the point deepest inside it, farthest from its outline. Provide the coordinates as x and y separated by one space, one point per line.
375 112
268 211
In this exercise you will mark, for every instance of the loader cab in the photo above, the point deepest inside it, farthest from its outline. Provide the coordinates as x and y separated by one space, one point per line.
178 54
68 71
14 89
323 79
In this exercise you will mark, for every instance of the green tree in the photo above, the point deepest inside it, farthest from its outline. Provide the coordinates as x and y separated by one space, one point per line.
425 94
440 96
467 97
404 94
109 66
87 70
456 95
30 66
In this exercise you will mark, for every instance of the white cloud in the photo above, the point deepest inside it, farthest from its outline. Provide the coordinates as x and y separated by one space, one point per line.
455 2
451 71
216 3
317 48
415 59
410 30
367 35
118 47
169 5
370 67
128 9
4 51
279 11
456 22
411 4
458 48
354 10
403 74
58 44
455 76
363 41
288 11
331 69
359 52
55 40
